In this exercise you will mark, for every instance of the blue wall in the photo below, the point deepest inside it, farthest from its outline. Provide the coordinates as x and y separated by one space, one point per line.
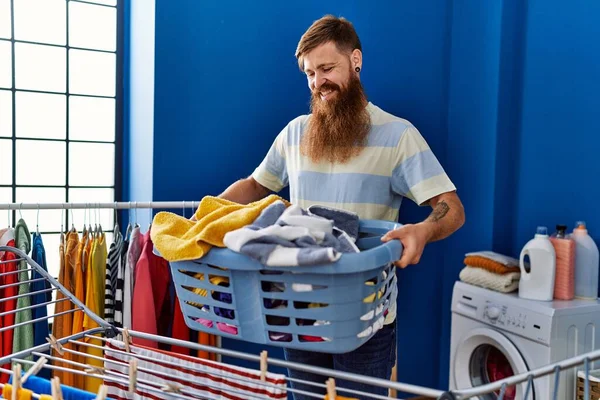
503 91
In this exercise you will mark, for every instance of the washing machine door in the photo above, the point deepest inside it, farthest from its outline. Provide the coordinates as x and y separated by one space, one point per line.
485 355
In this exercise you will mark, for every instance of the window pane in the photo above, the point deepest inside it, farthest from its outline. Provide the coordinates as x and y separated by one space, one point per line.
5 216
43 21
93 27
5 113
41 115
107 2
5 64
91 164
91 118
93 215
40 67
91 72
6 161
5 19
49 220
41 162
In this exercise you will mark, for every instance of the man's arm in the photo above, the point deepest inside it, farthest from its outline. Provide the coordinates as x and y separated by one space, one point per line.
245 191
448 216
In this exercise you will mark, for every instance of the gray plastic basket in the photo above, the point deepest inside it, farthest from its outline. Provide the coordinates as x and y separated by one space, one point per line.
236 296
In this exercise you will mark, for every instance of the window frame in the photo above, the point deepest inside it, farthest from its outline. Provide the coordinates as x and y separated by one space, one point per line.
117 186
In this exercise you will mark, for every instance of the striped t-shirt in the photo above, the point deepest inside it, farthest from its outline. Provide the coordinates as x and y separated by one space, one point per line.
396 163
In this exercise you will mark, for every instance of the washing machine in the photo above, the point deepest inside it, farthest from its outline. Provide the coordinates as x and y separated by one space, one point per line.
495 335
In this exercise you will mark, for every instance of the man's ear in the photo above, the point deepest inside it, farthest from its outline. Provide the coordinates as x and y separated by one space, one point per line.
356 58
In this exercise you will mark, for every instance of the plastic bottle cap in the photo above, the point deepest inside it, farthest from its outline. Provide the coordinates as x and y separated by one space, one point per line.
580 225
561 228
542 230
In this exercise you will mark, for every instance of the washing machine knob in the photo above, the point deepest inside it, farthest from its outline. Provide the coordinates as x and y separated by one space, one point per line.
493 312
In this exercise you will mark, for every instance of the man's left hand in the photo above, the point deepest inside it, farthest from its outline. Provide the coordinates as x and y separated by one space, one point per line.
413 238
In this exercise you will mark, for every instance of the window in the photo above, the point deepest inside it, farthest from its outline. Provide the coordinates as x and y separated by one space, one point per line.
59 112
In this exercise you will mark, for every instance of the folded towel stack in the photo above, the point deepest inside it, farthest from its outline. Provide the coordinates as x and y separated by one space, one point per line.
492 271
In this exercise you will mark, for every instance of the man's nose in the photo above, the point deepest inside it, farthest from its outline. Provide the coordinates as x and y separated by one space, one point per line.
319 80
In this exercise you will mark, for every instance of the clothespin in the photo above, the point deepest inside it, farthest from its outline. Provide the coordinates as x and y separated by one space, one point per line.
35 368
55 344
16 384
102 392
56 390
171 388
331 395
132 375
263 366
126 339
95 370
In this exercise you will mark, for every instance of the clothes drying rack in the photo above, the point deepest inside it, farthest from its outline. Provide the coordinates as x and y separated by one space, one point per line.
111 332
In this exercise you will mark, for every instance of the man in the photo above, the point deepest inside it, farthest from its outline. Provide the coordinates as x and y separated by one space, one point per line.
350 154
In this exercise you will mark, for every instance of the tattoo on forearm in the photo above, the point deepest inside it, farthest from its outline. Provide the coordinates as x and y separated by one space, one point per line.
439 212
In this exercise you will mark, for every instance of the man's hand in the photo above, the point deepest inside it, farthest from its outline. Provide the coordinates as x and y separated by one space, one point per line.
447 216
413 238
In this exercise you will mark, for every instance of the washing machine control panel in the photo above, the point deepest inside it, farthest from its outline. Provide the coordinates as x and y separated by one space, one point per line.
515 320
499 314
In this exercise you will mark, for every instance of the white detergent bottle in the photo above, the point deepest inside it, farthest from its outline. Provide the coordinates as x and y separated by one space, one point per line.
538 283
586 263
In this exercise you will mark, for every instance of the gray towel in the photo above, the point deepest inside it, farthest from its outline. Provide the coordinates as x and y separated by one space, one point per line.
291 236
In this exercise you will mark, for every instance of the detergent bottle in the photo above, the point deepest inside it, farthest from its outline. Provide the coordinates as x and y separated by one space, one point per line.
586 263
538 282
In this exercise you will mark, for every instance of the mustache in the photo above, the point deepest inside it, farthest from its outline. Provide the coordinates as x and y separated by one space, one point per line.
326 86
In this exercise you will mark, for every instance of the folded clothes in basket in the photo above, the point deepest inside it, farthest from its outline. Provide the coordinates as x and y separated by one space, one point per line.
292 236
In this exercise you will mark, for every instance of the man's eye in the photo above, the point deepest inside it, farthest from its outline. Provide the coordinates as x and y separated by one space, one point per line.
327 69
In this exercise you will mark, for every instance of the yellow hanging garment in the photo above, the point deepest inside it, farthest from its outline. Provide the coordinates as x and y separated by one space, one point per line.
96 280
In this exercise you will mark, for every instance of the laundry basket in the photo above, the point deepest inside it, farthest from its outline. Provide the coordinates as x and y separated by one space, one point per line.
332 308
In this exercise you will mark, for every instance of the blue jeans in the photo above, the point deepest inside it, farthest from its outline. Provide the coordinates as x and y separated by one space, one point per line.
375 358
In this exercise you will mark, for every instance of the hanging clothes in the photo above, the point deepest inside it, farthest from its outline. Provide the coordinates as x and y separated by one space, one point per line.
120 283
44 387
81 260
23 335
201 378
41 327
63 324
112 272
151 294
136 244
95 290
7 301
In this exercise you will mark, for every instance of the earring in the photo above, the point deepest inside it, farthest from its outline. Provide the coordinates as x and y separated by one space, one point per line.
357 69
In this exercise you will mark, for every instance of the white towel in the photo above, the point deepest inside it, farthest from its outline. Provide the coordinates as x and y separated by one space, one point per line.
504 283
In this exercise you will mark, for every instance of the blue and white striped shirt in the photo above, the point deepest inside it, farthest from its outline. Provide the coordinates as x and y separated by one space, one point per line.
396 163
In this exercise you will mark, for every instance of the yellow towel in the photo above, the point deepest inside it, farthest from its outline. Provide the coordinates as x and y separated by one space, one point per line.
177 238
23 394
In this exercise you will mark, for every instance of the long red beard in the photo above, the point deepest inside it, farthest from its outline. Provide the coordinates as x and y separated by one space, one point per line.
338 128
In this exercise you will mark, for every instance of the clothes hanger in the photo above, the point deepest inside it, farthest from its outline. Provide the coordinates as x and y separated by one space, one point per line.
62 226
129 227
73 229
116 229
37 221
136 220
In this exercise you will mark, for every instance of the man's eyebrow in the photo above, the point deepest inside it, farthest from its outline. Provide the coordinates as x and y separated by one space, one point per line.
322 65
